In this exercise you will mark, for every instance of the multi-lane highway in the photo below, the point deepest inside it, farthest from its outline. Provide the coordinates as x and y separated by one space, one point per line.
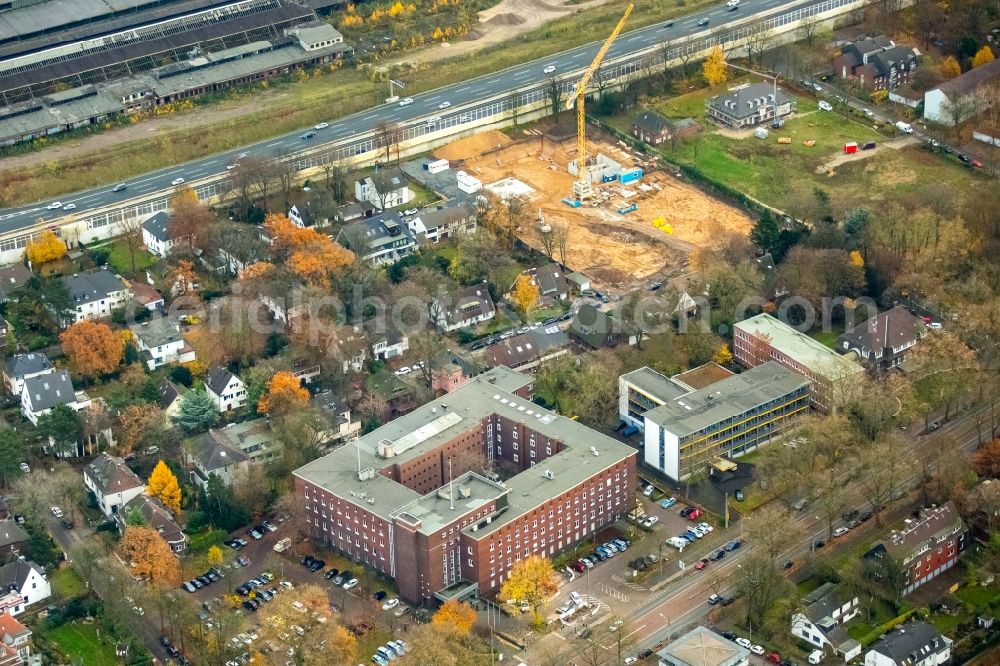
479 99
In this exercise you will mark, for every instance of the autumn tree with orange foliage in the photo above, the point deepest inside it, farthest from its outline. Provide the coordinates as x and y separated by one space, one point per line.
456 615
986 460
93 348
46 247
149 556
284 394
133 424
188 217
312 256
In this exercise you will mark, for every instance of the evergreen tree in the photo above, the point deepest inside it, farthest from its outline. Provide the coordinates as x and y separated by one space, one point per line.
764 234
197 412
63 426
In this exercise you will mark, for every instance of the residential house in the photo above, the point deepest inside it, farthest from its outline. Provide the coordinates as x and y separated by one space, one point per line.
883 340
910 644
22 583
763 338
156 235
552 282
775 286
112 483
13 540
15 642
468 307
12 277
225 389
593 329
434 226
938 101
95 293
350 345
822 617
302 215
160 342
353 211
170 398
528 350
926 546
146 296
212 456
703 647
20 367
379 241
578 281
388 343
156 516
876 63
386 188
305 371
44 392
342 427
652 128
400 397
450 371
749 105
252 438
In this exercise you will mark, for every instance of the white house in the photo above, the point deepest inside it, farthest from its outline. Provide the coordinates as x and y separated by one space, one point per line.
434 226
112 482
386 344
937 100
211 455
161 342
95 293
470 306
42 393
22 583
226 389
820 622
912 644
156 235
386 188
25 366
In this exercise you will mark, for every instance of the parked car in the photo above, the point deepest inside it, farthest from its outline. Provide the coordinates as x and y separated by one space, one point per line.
701 564
57 512
648 490
841 531
739 495
667 503
733 545
718 555
714 599
743 642
351 584
695 515
331 573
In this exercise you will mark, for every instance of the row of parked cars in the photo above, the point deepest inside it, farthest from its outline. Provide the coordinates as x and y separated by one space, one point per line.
690 535
342 578
204 580
391 651
772 657
601 553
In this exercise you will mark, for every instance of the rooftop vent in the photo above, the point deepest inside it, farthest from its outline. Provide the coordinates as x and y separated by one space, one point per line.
464 492
594 451
548 474
366 474
386 448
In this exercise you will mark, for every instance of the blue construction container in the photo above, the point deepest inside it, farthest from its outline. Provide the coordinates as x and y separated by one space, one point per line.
630 176
607 178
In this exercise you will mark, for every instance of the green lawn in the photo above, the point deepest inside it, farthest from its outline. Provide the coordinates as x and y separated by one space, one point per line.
66 583
81 644
121 262
979 596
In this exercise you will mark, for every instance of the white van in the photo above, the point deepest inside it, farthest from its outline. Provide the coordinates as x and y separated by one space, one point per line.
905 128
816 656
825 105
282 545
733 4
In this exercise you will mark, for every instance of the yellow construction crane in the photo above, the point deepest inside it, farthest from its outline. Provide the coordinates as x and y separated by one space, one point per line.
581 188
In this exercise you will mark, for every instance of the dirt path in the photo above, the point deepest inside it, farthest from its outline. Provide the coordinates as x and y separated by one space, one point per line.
842 158
500 23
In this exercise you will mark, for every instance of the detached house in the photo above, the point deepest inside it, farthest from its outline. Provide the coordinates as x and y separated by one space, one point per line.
654 129
170 398
821 621
302 215
593 329
470 306
342 427
156 516
434 226
386 344
378 241
876 63
114 485
22 583
12 277
552 282
883 340
14 540
225 389
160 342
44 392
911 644
211 456
156 235
25 366
386 188
749 106
95 293
938 99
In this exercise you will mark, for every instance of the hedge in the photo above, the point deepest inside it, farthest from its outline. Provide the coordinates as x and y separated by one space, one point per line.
200 543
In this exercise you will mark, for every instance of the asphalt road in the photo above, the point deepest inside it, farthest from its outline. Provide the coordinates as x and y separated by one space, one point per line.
469 101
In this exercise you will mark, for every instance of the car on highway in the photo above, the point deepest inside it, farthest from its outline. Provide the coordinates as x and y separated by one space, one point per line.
444 105
703 22
308 135
120 187
177 181
69 206
320 126
406 101
549 69
55 205
668 24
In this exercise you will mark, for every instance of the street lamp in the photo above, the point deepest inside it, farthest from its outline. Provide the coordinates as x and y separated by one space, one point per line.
667 620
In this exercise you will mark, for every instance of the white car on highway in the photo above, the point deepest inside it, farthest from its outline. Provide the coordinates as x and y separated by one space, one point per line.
54 205
69 206
549 69
177 181
322 126
406 101
444 105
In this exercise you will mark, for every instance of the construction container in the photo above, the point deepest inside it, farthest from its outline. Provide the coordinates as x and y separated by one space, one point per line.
630 176
760 133
784 140
628 209
437 166
609 177
850 147
467 183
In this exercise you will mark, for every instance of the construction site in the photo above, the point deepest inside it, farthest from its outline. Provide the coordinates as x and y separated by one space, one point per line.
628 229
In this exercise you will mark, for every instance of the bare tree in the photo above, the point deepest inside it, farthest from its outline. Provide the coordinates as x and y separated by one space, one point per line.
759 585
263 179
773 529
560 238
957 110
336 180
387 136
130 232
758 40
243 179
285 170
808 26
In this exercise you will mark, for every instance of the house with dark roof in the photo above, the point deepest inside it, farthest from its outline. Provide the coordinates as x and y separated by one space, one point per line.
910 644
400 398
434 226
337 411
95 293
450 370
157 236
156 516
22 583
353 211
304 216
112 483
876 63
44 392
211 456
160 342
384 189
469 306
170 397
749 105
593 329
552 281
225 389
821 620
25 366
15 642
651 127
380 240
528 350
12 277
13 540
937 100
385 341
883 340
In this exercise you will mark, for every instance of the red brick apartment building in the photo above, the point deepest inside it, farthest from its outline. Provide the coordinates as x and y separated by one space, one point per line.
927 546
413 500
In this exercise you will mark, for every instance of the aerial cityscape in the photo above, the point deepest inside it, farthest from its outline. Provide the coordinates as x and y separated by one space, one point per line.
486 332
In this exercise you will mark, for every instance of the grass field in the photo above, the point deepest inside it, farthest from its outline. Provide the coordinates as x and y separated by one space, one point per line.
81 644
66 583
319 98
121 262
